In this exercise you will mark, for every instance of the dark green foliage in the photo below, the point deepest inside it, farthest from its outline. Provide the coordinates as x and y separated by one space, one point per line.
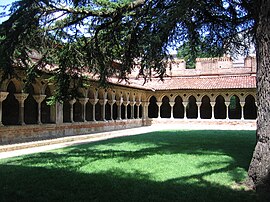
202 50
91 36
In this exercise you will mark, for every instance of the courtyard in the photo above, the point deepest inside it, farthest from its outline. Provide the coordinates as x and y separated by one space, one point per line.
162 165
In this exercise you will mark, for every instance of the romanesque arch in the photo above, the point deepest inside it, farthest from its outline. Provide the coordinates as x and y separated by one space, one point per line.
220 108
234 108
153 108
165 108
178 108
30 107
206 109
10 106
250 109
47 110
192 108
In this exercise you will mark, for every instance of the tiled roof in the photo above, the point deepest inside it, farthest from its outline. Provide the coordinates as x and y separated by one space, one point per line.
196 83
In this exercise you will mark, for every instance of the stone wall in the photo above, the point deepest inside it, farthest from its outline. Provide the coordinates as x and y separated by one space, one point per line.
26 133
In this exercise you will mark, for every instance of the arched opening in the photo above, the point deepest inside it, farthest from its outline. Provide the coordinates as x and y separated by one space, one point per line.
165 108
153 108
206 109
10 107
66 112
250 109
192 108
114 111
89 111
77 111
220 108
30 108
234 108
129 111
122 111
108 111
135 111
178 108
47 110
98 112
140 111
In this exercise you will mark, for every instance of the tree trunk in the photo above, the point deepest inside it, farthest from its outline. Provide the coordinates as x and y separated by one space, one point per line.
259 169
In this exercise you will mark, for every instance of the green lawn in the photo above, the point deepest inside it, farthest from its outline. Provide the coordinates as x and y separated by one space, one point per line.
158 166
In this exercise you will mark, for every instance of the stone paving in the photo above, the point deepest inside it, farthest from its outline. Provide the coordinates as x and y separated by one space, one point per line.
13 150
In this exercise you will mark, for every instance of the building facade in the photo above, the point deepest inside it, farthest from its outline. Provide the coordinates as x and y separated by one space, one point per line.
216 91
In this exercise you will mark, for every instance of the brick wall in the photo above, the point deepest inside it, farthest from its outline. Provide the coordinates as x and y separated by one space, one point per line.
26 133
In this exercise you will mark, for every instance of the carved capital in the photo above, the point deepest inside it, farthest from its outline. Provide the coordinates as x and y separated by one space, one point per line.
3 96
72 102
111 102
126 103
83 101
93 101
103 101
21 97
39 98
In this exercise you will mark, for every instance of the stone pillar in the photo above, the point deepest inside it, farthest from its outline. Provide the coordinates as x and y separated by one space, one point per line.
213 109
72 102
111 103
199 109
172 104
83 102
3 96
125 103
159 105
94 102
21 97
132 109
103 108
242 104
138 109
227 109
59 113
119 103
145 110
39 99
185 103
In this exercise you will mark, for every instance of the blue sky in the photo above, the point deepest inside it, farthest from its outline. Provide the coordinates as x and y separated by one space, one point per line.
2 3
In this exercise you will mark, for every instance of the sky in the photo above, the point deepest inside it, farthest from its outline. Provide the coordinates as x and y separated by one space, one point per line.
3 3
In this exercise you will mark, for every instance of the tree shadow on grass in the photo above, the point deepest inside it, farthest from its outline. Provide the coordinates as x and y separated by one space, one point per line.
60 177
19 183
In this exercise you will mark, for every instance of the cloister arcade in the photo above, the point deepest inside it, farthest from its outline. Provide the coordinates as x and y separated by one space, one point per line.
120 103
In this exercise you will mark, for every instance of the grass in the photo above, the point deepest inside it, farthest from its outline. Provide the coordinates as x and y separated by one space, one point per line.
158 166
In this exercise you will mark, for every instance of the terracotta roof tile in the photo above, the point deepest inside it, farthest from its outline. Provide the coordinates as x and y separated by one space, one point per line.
183 83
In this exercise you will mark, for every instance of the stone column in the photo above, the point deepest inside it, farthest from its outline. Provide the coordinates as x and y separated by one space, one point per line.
21 97
145 110
138 109
132 109
242 104
172 104
83 102
185 103
119 103
159 105
3 96
199 109
111 103
213 109
125 103
227 109
39 99
94 102
103 108
72 102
